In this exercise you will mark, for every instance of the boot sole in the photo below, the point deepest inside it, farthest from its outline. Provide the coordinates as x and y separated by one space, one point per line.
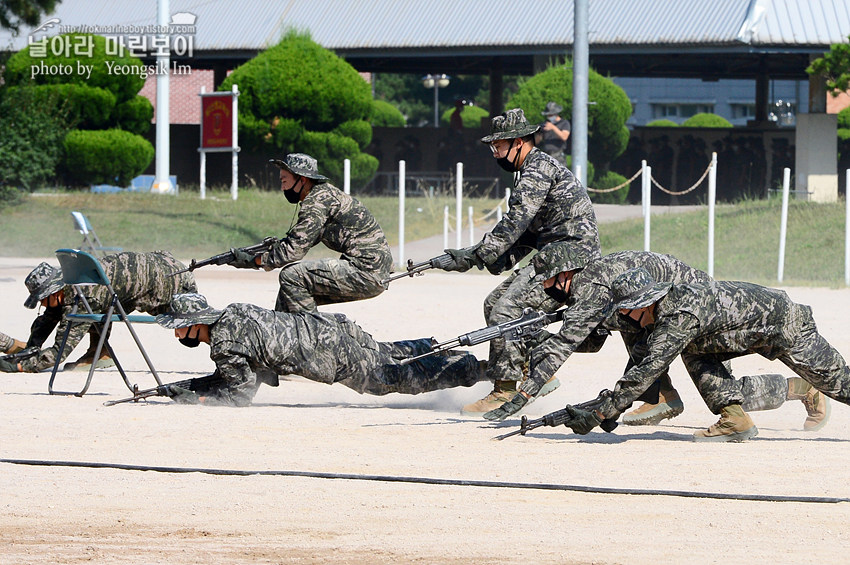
737 437
102 364
825 418
652 417
550 386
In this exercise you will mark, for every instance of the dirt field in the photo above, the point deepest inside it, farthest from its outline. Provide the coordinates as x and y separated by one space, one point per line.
335 461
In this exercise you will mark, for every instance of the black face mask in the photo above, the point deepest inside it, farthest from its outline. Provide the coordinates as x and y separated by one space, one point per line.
556 294
506 163
291 196
190 341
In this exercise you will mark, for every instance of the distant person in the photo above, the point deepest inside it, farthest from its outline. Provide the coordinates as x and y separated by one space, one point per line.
456 120
554 133
251 345
338 220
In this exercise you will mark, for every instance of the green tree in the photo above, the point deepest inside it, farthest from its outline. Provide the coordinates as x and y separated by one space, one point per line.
835 67
705 120
299 96
606 114
14 13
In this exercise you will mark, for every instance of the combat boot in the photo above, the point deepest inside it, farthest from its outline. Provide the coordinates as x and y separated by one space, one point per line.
816 403
734 425
84 363
16 346
669 406
503 391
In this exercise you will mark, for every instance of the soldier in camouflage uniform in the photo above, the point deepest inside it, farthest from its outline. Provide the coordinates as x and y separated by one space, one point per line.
8 344
336 219
709 323
140 279
250 344
548 204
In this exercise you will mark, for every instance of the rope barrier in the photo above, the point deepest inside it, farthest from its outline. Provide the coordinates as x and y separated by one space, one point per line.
655 182
618 187
436 481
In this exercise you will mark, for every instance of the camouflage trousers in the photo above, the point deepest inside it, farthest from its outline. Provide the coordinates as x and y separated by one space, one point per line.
307 284
810 356
522 289
6 342
385 374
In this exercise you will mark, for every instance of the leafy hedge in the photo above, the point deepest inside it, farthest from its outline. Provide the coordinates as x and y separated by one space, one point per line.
106 156
298 96
85 106
386 115
662 124
704 120
609 180
471 116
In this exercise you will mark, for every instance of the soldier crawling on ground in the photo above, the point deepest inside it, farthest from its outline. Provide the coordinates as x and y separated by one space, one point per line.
141 281
251 345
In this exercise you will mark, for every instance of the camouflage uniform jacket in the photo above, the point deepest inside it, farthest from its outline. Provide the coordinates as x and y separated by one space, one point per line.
248 340
727 318
142 283
548 204
343 224
589 304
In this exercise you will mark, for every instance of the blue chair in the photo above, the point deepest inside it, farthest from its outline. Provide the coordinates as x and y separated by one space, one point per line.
90 239
78 269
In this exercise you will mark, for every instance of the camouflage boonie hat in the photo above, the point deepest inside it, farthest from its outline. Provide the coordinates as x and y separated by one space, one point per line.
187 310
510 125
636 289
560 257
43 281
552 109
300 164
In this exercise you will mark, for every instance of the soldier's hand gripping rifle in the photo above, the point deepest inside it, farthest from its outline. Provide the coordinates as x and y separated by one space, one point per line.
414 269
198 385
229 257
21 355
531 322
563 417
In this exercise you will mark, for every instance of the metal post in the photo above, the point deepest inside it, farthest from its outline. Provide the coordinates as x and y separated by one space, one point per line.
162 183
847 228
459 202
712 196
471 227
646 184
401 182
783 224
346 176
580 85
436 102
201 149
446 227
234 156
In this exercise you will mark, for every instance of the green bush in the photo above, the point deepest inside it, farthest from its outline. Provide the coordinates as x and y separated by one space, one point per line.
844 118
609 180
608 135
471 116
21 66
298 96
662 124
86 107
386 115
32 128
106 156
706 121
134 115
9 196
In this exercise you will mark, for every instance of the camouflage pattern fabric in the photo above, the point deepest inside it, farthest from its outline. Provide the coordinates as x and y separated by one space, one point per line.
6 342
548 204
589 307
326 348
142 283
709 323
343 224
306 284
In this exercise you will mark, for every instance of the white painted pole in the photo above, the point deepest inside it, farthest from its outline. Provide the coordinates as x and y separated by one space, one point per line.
471 227
446 226
162 183
459 203
499 212
647 205
401 183
783 225
346 176
578 173
234 163
203 153
847 228
712 196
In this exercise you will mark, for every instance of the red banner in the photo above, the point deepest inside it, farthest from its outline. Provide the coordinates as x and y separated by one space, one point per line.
217 123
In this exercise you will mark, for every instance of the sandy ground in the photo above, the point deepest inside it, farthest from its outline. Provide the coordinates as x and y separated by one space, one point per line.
304 433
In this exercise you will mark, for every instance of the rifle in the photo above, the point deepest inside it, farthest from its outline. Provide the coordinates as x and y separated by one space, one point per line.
562 417
21 355
531 322
227 257
199 384
413 269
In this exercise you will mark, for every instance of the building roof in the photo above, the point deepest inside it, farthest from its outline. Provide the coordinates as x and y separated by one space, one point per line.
629 37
